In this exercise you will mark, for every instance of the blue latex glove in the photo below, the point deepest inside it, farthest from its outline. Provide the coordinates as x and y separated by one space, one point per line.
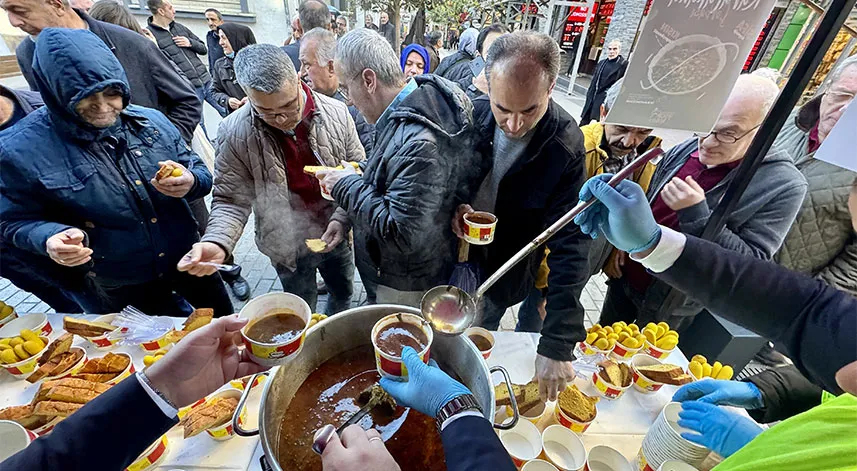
720 392
718 430
622 214
427 389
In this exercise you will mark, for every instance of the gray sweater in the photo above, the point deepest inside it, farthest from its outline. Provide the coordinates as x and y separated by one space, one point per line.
757 225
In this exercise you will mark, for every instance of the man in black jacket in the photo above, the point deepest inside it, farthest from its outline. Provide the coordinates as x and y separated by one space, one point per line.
533 168
387 30
183 48
215 52
608 72
154 82
411 183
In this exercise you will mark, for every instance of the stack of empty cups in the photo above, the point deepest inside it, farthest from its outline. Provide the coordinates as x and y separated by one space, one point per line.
664 442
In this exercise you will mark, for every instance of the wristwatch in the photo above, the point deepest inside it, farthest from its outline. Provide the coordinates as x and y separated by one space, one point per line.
455 406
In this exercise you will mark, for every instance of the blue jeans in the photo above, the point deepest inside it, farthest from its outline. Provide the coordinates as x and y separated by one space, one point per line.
335 267
529 319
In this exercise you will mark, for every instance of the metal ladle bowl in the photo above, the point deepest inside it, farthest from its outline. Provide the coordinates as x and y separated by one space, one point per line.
451 310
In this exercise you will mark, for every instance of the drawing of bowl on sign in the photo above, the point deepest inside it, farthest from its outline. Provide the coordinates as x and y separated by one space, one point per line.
688 64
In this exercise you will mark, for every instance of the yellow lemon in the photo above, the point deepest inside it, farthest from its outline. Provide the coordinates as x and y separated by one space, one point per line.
28 334
20 352
34 346
715 369
695 368
699 359
8 356
725 373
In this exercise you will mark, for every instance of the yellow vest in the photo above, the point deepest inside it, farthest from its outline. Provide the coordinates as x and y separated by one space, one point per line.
593 133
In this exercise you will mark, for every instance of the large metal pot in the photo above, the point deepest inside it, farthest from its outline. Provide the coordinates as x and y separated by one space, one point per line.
348 330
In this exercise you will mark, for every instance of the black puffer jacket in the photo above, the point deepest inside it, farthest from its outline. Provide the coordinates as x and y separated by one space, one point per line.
542 185
786 393
456 68
224 84
184 57
402 206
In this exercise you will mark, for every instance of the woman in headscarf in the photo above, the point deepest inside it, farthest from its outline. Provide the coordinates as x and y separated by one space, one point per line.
225 88
415 61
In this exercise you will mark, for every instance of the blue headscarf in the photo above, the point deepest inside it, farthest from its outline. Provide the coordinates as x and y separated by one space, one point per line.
421 50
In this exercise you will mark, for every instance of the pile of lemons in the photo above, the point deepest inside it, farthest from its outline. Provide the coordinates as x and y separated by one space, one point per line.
660 335
700 368
25 345
605 338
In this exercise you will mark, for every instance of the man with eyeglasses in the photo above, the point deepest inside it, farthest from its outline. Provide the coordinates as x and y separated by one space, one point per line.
690 182
822 242
262 151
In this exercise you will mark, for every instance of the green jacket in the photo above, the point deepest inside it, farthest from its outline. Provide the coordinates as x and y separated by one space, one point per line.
822 438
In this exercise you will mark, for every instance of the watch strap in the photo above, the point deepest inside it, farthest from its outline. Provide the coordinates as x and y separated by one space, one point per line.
456 405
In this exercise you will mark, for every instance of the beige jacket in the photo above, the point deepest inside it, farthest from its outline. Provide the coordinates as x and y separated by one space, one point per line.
250 175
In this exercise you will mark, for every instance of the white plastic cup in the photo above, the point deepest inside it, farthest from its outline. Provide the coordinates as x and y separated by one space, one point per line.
604 458
523 442
675 465
563 448
13 438
538 465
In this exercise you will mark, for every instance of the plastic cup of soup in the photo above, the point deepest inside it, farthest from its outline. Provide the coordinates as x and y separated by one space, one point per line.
640 381
479 227
482 338
604 458
276 328
563 448
394 332
523 442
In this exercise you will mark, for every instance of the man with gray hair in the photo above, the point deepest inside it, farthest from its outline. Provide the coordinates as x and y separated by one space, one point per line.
821 242
318 50
687 186
311 14
261 155
608 71
416 176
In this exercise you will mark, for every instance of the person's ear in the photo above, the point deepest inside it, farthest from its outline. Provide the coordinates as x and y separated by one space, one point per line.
846 378
299 28
603 112
370 80
330 68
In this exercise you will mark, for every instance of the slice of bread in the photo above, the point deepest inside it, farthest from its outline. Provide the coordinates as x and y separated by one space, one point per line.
56 408
86 328
315 245
165 171
577 405
524 394
61 345
110 363
665 373
617 374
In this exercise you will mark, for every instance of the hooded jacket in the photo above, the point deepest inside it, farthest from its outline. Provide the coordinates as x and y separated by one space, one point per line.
58 172
224 83
185 58
421 51
412 183
756 227
821 242
456 67
153 79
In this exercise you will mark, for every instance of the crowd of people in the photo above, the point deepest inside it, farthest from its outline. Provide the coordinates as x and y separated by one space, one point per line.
86 225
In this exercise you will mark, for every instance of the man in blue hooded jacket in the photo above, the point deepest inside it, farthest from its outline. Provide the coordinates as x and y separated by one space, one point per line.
77 184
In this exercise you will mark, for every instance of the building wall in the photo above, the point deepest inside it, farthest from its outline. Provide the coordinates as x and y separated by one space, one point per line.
624 23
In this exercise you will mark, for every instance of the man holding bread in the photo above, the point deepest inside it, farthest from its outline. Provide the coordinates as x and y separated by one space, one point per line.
103 187
264 157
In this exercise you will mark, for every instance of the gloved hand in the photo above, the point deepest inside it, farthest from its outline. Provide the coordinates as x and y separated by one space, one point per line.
427 388
718 430
622 214
721 392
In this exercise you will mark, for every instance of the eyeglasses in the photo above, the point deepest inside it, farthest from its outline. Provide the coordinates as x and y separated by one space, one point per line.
725 138
343 86
839 99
